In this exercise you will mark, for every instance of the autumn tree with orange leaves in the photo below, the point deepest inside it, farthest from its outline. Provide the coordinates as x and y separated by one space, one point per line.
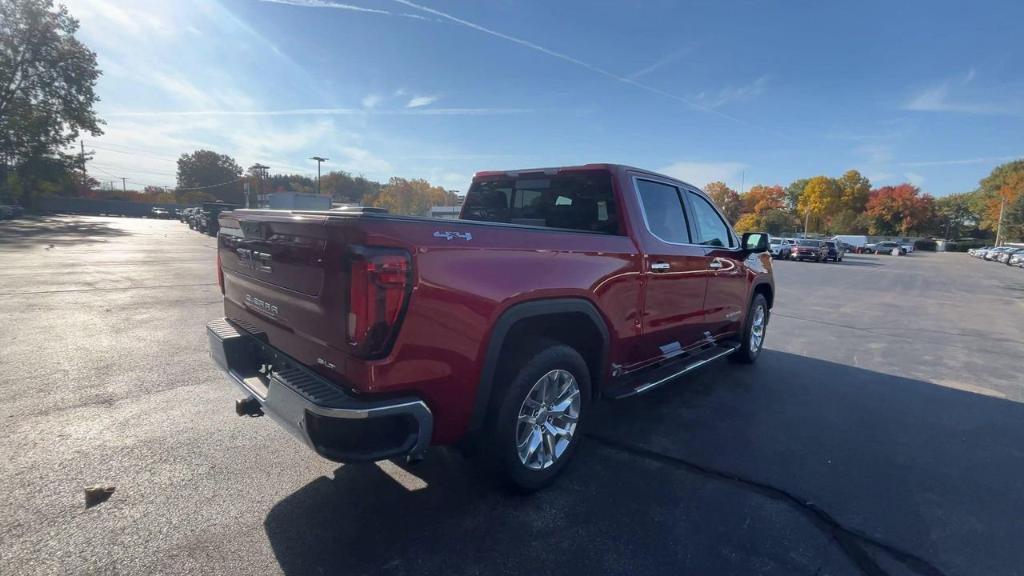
900 210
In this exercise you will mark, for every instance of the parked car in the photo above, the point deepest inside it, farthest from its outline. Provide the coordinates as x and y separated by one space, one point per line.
1017 259
1004 256
994 253
908 247
889 247
781 248
462 331
835 250
161 213
807 249
208 215
10 211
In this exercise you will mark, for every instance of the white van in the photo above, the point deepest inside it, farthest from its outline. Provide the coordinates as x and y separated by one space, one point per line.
857 241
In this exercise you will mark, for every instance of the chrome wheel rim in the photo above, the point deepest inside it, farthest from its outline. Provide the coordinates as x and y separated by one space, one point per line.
757 326
547 419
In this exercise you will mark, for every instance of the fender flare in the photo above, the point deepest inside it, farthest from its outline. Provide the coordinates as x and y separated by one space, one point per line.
504 324
771 290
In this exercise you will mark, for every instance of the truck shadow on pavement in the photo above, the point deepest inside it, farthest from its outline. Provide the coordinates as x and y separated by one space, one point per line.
791 466
52 231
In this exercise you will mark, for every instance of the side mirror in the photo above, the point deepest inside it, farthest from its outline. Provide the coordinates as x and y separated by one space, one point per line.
755 242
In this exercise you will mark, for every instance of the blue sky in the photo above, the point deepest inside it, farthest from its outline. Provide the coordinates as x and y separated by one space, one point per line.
746 92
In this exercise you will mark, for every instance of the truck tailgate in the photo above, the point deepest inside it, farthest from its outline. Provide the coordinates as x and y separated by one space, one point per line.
312 285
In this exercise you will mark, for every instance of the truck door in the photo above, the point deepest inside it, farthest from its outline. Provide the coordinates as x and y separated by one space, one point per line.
726 299
675 273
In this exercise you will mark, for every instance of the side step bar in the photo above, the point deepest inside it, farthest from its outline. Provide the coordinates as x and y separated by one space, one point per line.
651 378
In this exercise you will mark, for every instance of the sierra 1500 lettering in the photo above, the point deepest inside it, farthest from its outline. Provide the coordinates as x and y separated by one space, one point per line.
370 336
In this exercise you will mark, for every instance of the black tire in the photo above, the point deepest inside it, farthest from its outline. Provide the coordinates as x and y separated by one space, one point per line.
497 447
747 353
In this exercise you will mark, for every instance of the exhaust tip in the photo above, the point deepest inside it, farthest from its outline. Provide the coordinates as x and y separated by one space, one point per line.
248 406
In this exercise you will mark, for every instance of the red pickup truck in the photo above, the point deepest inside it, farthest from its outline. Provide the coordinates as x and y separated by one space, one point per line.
371 336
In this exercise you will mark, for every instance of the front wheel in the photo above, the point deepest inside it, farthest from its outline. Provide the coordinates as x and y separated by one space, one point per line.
535 429
754 328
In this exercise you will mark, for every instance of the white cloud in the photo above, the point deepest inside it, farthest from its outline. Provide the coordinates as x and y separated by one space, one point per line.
318 112
566 58
341 6
731 94
969 77
360 161
663 61
703 173
875 153
914 178
982 160
371 100
938 99
418 101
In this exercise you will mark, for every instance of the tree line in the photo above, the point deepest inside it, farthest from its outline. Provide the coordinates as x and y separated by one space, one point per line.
848 204
205 175
47 95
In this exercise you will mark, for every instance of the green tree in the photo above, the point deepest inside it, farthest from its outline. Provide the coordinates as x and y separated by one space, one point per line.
727 200
849 222
217 175
956 213
793 192
47 81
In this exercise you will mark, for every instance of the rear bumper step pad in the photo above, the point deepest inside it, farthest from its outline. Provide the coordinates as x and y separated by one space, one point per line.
333 423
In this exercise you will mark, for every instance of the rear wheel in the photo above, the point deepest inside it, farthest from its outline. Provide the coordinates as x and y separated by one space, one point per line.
534 429
754 328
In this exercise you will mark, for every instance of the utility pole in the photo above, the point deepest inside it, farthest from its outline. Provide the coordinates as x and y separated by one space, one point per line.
85 177
124 185
261 172
318 159
743 180
807 220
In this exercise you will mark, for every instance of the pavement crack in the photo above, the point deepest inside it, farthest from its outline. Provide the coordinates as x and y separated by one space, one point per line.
854 544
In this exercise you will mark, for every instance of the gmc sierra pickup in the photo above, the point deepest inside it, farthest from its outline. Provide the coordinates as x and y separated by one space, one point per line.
370 336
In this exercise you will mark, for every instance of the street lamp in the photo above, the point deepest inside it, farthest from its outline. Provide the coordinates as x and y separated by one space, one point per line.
318 159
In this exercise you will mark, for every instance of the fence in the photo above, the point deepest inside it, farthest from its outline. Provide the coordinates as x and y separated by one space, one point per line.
65 205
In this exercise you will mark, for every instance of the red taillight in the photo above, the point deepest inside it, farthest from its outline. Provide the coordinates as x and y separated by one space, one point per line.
378 286
220 273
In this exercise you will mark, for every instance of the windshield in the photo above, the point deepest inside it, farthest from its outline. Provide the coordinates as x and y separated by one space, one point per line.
813 243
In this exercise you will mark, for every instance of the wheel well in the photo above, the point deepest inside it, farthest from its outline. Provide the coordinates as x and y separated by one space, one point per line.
766 291
574 329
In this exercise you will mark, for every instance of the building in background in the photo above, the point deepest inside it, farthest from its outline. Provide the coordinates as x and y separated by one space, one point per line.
297 201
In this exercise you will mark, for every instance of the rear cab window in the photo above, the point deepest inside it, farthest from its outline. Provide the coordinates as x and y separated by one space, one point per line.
581 201
663 211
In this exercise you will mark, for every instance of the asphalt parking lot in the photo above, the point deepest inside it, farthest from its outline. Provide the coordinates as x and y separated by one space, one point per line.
881 432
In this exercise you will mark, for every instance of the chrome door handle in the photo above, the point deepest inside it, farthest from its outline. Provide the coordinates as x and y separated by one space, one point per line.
715 264
660 266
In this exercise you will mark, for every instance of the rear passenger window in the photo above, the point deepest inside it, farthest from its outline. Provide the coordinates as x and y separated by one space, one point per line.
663 211
711 229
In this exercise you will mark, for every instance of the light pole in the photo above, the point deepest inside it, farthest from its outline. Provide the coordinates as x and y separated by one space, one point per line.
318 159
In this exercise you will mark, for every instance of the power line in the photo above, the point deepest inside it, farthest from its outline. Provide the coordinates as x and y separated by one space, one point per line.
142 154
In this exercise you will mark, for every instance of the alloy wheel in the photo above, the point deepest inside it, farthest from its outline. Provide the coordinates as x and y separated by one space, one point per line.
547 419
